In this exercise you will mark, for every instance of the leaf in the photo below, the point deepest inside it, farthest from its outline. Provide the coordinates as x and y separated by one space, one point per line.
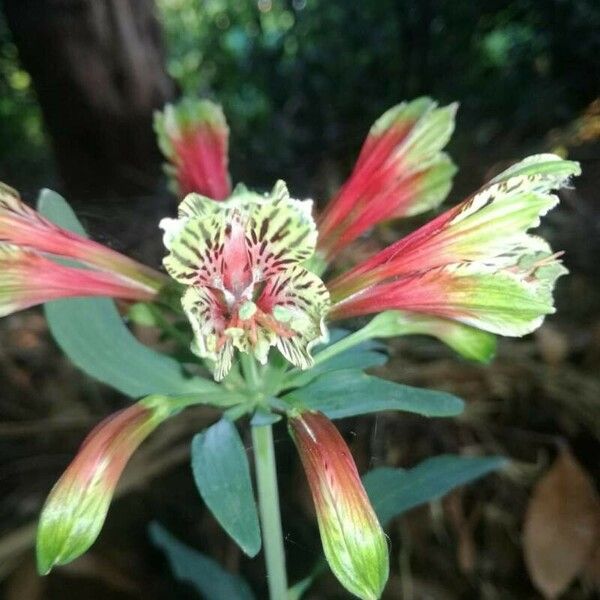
206 575
55 208
222 475
362 356
92 334
347 393
562 523
394 491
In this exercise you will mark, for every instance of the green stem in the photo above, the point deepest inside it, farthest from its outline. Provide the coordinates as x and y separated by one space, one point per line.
250 370
270 514
358 337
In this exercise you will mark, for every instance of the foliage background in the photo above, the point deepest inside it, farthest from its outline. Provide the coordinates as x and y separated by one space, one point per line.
301 81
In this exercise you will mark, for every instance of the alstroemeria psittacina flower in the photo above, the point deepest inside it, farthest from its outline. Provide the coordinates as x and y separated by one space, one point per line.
400 171
247 289
475 263
28 276
194 137
76 508
23 226
353 541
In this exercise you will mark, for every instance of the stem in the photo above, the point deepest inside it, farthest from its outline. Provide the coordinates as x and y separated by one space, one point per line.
250 370
358 337
270 514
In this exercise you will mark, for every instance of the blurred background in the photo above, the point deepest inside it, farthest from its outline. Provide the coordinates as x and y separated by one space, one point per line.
301 81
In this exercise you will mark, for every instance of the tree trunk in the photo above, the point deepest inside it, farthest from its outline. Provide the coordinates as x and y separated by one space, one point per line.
98 69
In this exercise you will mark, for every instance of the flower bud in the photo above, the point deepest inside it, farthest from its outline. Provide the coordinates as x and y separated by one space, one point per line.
401 171
353 541
194 137
76 508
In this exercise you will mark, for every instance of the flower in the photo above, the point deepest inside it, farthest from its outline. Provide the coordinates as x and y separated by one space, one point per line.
400 171
193 135
23 227
475 263
241 260
354 543
28 278
76 508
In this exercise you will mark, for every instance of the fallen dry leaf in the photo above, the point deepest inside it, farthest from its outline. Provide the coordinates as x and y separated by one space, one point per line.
561 527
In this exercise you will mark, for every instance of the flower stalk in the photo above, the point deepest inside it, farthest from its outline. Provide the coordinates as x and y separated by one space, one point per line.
270 513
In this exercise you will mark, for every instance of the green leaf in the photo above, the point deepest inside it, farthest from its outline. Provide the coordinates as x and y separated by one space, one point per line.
394 491
55 208
92 334
210 579
347 393
222 475
362 356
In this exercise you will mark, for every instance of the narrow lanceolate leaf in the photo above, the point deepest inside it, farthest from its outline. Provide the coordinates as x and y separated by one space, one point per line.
394 491
401 171
348 393
93 335
222 475
353 541
476 263
207 577
76 508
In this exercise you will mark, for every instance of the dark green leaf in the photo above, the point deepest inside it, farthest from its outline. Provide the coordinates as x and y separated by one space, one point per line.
349 392
206 575
394 491
222 475
92 334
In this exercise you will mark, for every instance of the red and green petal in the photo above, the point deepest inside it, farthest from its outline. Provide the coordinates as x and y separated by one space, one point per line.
207 314
490 227
28 278
511 302
257 235
194 137
298 301
400 171
281 232
22 226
